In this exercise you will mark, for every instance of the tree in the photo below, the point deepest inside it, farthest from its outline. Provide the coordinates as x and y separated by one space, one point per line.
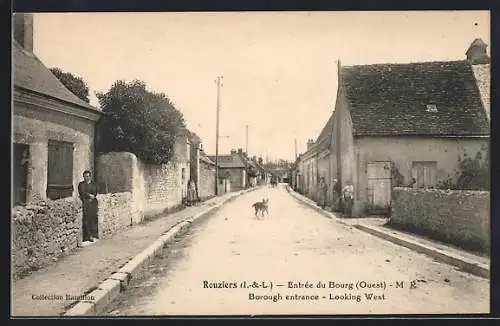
139 121
74 83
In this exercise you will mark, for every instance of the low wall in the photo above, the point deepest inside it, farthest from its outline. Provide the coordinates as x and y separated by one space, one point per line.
207 180
43 231
115 212
154 189
460 217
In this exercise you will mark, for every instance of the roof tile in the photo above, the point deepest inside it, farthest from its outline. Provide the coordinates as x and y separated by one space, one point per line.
391 99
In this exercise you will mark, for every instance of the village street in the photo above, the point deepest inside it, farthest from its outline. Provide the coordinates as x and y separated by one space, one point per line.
212 269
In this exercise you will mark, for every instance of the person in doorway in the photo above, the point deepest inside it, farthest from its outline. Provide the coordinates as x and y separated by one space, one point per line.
348 196
87 190
336 194
323 189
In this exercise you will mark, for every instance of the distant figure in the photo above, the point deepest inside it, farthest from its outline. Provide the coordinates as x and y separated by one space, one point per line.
336 191
191 193
413 183
348 196
87 190
323 190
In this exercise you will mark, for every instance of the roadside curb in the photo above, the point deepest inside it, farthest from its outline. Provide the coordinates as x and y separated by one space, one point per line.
96 302
466 264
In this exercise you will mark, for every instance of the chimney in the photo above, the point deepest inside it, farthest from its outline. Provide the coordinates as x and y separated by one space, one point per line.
310 143
476 54
23 30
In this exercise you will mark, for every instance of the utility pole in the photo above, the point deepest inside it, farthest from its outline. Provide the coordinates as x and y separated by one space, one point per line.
219 85
246 140
295 149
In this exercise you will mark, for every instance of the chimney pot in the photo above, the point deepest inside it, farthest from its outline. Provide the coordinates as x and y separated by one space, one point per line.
476 54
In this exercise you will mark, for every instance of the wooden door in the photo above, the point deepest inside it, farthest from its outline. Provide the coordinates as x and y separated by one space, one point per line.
379 187
59 170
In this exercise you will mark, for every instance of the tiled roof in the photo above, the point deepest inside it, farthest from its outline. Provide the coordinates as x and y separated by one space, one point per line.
31 74
206 159
325 137
228 161
392 99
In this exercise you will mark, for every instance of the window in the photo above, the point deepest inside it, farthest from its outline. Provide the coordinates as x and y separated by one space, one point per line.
20 170
183 175
60 170
431 108
424 173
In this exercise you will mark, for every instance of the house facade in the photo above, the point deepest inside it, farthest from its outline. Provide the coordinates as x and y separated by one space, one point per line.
395 122
53 130
207 177
232 170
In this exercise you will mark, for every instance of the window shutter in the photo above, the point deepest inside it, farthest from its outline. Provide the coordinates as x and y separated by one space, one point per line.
59 170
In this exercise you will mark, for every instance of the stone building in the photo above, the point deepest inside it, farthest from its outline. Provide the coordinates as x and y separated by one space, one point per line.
207 177
53 130
395 122
232 169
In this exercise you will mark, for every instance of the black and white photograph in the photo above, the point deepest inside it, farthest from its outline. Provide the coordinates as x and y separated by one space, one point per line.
250 163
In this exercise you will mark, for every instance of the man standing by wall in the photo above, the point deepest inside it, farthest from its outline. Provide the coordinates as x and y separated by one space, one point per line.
87 190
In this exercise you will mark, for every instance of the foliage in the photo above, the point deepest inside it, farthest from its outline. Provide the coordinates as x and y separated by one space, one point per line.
139 121
278 166
472 174
74 83
252 172
396 176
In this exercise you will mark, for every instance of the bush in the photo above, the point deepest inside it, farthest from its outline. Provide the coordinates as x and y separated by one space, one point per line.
472 174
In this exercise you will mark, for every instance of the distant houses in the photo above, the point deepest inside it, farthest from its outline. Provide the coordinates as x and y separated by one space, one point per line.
393 123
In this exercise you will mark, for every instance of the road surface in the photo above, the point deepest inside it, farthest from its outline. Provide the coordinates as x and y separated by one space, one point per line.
295 261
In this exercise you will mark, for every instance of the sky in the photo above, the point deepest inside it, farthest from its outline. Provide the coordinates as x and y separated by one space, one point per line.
279 68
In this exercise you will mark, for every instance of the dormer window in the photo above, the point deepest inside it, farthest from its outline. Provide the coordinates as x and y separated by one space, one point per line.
431 108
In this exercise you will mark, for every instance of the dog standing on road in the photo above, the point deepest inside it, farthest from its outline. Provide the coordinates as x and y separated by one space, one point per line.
261 206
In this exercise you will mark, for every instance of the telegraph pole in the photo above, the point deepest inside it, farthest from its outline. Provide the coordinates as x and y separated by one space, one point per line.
246 140
219 85
295 149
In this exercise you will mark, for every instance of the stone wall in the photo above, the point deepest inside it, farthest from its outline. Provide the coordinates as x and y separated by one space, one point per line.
458 217
45 230
42 232
115 213
483 80
207 180
154 188
165 187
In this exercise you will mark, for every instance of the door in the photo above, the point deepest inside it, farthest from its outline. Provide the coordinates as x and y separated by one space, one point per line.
20 173
379 187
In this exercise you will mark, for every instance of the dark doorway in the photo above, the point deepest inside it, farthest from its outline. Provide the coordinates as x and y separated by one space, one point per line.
20 171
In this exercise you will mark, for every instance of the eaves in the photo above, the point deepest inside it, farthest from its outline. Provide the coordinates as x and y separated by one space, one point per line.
50 104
